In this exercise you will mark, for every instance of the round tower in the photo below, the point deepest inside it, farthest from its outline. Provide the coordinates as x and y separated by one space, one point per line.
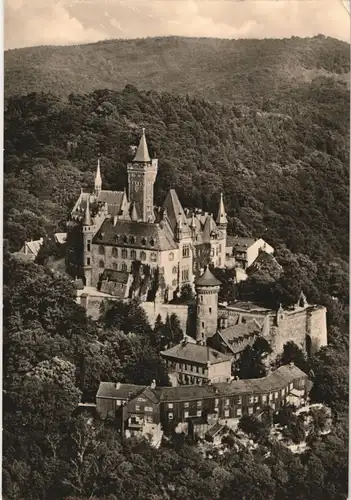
87 235
207 288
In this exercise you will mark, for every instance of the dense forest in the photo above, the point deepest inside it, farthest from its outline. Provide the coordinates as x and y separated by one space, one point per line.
228 71
277 145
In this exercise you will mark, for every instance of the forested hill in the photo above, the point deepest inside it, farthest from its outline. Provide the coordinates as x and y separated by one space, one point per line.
283 168
219 70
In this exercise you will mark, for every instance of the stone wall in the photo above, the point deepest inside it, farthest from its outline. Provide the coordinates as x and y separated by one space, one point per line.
153 309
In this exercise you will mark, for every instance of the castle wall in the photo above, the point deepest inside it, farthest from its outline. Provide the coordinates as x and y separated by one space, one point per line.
153 309
317 328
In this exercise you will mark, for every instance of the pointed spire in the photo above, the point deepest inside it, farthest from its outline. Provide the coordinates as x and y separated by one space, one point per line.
87 217
142 154
222 216
98 180
134 215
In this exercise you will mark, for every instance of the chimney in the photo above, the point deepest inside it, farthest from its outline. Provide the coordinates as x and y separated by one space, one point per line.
118 385
153 384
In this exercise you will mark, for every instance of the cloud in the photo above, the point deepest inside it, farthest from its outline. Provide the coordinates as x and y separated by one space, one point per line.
42 22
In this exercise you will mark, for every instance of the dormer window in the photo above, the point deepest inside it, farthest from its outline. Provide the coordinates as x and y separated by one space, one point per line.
132 240
143 241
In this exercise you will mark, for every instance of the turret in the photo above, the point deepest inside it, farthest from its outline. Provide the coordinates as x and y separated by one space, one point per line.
207 288
222 224
87 236
98 180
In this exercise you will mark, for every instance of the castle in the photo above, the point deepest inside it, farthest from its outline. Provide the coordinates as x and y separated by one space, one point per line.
109 232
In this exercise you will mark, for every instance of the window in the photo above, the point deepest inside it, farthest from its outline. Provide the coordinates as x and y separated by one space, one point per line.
133 254
124 267
227 402
152 242
250 411
226 413
238 412
186 251
216 402
203 325
149 419
219 261
251 399
271 397
174 270
114 265
256 399
148 408
291 386
264 398
101 250
143 241
142 255
153 256
101 264
171 256
210 310
88 246
199 404
220 248
276 395
170 405
185 274
174 283
185 367
125 239
124 253
118 402
239 400
186 405
198 413
88 261
217 251
114 252
137 407
212 252
186 414
170 416
132 240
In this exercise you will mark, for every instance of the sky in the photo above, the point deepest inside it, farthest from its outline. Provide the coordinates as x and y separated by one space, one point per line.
66 22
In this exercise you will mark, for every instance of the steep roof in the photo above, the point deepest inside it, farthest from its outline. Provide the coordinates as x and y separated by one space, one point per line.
207 279
210 228
174 209
195 353
142 154
242 244
131 234
87 215
239 336
114 200
221 216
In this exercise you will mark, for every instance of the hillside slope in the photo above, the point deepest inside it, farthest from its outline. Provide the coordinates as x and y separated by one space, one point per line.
215 69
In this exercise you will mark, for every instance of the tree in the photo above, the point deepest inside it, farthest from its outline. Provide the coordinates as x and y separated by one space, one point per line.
128 317
251 362
294 354
255 428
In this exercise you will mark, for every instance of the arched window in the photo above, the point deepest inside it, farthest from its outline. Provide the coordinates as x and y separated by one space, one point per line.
124 253
114 265
132 240
143 241
101 250
171 256
152 242
114 252
174 270
125 239
124 267
153 256
101 263
142 255
133 254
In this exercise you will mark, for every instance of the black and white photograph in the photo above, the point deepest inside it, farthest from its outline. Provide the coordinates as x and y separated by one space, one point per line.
175 250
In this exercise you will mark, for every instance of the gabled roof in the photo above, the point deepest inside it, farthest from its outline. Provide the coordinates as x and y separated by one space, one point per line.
210 228
131 234
110 390
239 336
242 244
174 209
195 353
207 279
33 246
142 154
114 200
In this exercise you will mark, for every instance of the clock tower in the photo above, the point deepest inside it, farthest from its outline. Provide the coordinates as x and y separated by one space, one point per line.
141 179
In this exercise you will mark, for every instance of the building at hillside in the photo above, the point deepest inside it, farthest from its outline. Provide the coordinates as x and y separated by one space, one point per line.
123 231
197 364
139 407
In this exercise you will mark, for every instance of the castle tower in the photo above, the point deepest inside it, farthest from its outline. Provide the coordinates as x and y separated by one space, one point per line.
141 179
222 224
98 180
207 288
87 233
